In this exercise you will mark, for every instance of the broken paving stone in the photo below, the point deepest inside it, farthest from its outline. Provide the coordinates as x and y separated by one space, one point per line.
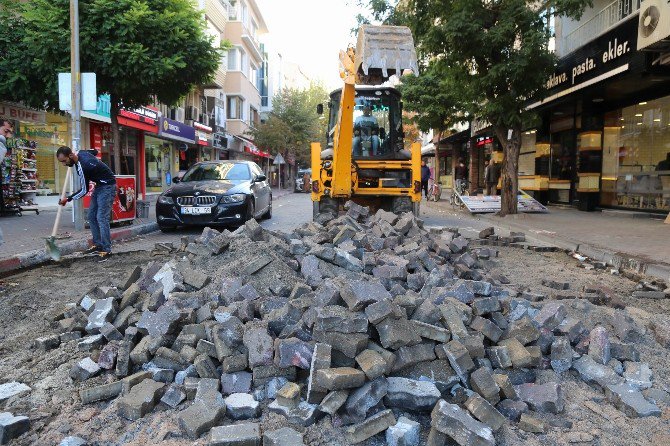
141 400
599 345
358 294
47 343
638 375
11 389
340 378
160 323
487 328
411 394
453 421
293 352
362 400
592 372
523 330
304 414
173 396
104 311
289 395
333 401
321 359
242 406
483 383
542 397
73 441
432 332
370 427
260 346
550 315
624 352
12 426
499 357
520 356
337 318
459 358
511 409
379 311
405 432
237 382
84 369
245 434
108 354
485 412
561 355
531 424
396 333
372 363
283 437
556 284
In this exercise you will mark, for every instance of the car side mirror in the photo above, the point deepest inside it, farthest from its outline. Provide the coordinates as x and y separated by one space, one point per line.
382 133
260 178
319 109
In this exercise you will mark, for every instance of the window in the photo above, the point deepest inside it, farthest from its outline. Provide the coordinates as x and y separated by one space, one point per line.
233 59
253 76
234 105
254 118
244 63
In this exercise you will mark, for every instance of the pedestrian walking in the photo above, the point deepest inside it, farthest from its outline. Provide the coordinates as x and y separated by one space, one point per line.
425 177
91 169
491 177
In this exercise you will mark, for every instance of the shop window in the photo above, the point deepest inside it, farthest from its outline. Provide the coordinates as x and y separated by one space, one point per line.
636 156
527 153
157 162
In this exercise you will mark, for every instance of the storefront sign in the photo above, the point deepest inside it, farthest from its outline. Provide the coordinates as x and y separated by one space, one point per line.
103 110
606 56
484 140
142 118
99 133
123 208
478 125
256 151
177 131
18 113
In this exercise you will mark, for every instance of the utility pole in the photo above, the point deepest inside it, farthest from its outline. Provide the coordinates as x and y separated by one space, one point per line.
78 205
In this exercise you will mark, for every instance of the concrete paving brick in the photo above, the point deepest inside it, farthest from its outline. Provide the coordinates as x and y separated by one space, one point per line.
141 400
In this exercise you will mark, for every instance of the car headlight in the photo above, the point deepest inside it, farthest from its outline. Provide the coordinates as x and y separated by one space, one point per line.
165 200
235 198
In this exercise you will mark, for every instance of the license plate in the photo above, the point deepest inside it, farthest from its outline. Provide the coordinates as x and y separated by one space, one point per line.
196 210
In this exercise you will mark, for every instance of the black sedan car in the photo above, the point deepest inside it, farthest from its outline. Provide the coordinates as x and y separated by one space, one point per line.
216 193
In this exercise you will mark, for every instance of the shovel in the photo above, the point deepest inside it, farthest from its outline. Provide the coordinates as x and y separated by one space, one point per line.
52 249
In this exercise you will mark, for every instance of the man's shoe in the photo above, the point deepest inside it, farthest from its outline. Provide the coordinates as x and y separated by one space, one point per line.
104 254
92 250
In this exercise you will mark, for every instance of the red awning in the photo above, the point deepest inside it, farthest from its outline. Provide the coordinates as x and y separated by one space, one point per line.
256 151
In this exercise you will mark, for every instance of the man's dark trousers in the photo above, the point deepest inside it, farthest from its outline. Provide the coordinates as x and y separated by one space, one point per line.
424 187
99 214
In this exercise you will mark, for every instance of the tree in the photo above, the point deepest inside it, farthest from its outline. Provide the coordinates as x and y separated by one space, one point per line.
293 123
140 50
496 52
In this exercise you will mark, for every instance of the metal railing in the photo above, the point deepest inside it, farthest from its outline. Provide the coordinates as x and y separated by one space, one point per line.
609 16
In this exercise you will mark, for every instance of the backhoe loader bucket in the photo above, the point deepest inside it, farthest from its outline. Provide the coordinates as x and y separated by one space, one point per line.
382 51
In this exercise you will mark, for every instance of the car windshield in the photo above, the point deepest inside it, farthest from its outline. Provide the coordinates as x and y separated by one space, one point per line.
218 171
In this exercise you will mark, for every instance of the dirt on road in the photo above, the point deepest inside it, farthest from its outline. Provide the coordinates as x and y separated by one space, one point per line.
30 299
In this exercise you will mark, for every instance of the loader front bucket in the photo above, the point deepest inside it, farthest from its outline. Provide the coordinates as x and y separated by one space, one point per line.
382 51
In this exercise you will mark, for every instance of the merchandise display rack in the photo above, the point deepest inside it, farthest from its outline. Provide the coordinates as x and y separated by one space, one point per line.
19 178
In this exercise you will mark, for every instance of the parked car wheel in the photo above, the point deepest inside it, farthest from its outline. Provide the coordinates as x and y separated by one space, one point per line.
268 213
251 210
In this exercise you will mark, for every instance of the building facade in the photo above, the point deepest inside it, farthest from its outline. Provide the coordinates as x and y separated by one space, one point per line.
604 134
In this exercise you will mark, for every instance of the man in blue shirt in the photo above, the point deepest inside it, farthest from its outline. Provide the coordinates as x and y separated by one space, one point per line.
91 169
366 128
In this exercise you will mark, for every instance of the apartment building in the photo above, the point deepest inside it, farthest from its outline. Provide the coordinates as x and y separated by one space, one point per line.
604 135
246 79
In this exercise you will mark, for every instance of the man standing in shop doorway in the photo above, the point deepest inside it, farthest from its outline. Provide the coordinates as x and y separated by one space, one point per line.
491 176
5 132
91 169
461 174
425 178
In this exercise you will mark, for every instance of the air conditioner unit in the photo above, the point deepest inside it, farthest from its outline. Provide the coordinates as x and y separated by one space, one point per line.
653 30
176 114
192 113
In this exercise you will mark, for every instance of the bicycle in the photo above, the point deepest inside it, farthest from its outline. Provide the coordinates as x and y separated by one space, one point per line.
460 189
434 191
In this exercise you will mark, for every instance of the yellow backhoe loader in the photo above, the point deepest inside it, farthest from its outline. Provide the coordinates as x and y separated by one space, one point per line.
366 160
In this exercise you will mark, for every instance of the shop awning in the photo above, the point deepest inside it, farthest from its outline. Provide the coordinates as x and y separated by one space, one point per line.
250 147
428 150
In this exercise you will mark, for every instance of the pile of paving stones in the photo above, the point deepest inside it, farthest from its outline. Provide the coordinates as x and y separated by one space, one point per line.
370 320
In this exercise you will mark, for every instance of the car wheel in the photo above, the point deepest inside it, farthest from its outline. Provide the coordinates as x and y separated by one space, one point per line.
268 213
251 210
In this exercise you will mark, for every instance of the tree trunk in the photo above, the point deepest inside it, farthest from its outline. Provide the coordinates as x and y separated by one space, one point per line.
116 134
437 157
510 169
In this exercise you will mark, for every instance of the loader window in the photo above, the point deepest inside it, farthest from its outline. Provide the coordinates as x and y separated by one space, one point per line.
377 124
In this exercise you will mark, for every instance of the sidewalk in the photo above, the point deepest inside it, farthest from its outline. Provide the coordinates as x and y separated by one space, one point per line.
641 245
24 237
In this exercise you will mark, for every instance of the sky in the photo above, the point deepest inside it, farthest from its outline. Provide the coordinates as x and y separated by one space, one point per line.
311 33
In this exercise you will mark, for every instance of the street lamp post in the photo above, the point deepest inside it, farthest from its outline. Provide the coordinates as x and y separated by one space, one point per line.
75 72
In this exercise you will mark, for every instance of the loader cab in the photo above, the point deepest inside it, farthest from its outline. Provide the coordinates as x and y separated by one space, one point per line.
377 123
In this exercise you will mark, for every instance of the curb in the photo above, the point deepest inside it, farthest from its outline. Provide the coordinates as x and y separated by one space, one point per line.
619 260
39 256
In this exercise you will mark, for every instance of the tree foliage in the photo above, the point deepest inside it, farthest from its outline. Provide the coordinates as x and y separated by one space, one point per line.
140 50
495 55
293 123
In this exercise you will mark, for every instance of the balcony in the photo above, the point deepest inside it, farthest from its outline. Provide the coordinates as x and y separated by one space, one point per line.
219 79
217 12
237 33
605 19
